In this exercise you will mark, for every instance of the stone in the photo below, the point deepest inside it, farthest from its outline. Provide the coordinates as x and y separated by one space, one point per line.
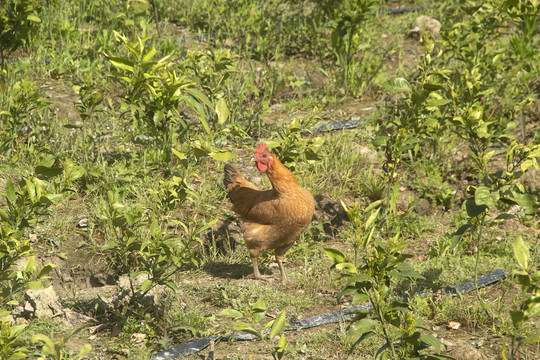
430 24
44 303
40 303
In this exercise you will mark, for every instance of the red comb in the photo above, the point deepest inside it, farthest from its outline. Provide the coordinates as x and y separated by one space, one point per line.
261 148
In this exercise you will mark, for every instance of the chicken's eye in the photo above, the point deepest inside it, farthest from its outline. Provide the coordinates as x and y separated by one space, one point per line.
265 155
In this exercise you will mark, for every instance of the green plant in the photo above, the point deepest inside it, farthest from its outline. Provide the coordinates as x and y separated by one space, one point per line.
18 19
123 221
194 321
394 145
361 230
56 350
432 183
211 70
252 317
50 168
26 206
527 303
24 209
396 322
347 40
291 147
21 113
154 92
13 345
419 114
500 190
90 99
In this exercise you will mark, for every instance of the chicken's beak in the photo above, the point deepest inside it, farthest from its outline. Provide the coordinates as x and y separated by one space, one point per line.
253 158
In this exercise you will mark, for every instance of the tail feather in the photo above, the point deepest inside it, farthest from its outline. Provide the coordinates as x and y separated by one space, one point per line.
230 175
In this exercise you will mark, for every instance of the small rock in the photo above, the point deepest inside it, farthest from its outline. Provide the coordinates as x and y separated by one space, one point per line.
74 319
124 281
138 338
42 303
83 223
447 343
430 24
454 325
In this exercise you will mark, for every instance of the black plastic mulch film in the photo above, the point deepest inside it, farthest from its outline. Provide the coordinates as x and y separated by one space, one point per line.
196 345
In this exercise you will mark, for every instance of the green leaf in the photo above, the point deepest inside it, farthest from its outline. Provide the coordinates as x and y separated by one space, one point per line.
45 270
222 155
121 63
34 18
10 191
197 106
526 202
473 210
437 102
397 85
31 189
534 338
85 349
34 284
521 252
222 111
335 255
72 172
432 87
178 154
380 141
73 126
347 267
200 96
149 55
235 314
50 199
244 326
30 265
372 218
278 325
282 343
483 196
432 341
258 315
4 215
503 217
405 270
48 172
362 326
48 348
360 298
146 285
260 305
517 318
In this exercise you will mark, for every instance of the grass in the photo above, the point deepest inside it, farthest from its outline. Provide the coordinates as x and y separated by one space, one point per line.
235 62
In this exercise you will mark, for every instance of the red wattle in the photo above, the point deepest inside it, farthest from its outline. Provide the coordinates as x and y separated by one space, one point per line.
261 166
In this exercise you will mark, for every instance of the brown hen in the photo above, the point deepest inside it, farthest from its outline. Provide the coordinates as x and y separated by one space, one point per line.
271 219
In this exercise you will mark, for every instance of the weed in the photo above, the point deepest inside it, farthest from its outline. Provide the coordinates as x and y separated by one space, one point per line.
253 316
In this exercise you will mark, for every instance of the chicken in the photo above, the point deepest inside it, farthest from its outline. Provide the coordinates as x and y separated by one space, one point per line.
271 219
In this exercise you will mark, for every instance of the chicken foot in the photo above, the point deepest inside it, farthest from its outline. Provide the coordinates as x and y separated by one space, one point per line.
258 276
256 272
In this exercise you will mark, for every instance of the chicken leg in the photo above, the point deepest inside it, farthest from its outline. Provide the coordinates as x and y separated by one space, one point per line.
284 279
